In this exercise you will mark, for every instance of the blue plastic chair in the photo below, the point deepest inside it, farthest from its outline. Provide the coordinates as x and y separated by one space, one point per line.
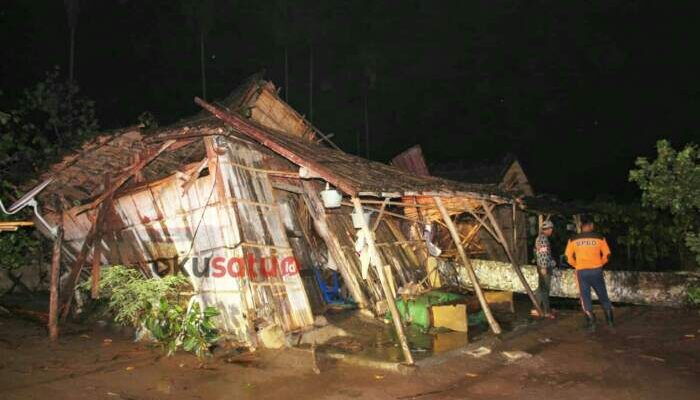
331 294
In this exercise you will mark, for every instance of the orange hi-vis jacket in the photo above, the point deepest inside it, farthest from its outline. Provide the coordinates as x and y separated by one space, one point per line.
587 251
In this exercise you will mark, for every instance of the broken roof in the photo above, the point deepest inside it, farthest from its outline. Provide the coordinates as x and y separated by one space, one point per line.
80 177
352 174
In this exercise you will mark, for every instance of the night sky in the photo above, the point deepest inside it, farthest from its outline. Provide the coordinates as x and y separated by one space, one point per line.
575 89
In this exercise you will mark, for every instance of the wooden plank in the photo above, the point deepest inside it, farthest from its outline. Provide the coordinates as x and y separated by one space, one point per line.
386 288
495 327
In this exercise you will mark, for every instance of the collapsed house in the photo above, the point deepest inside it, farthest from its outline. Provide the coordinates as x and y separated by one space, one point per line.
232 198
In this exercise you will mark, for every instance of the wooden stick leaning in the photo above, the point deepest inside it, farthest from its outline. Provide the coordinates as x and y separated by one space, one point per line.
374 255
495 327
501 238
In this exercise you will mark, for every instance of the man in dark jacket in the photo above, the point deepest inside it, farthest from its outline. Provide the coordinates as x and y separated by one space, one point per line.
545 267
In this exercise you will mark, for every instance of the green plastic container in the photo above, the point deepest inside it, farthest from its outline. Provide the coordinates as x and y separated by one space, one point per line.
417 311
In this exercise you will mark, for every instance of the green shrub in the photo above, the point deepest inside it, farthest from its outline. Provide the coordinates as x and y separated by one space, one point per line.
130 295
694 295
173 328
156 304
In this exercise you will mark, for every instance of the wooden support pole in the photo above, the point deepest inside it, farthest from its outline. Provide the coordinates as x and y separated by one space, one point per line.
501 238
55 272
95 273
391 302
318 214
495 327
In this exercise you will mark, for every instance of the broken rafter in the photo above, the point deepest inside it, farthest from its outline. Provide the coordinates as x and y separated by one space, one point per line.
145 159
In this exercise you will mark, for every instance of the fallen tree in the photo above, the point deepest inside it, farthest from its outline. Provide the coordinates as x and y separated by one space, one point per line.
668 289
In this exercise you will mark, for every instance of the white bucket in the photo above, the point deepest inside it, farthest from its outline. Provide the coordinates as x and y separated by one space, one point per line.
357 219
331 198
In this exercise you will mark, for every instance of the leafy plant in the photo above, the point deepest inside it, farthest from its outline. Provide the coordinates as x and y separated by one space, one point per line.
672 182
156 304
174 328
694 295
130 295
49 118
641 236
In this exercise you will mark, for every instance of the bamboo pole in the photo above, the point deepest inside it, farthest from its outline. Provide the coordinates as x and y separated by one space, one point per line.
495 327
55 272
374 255
501 238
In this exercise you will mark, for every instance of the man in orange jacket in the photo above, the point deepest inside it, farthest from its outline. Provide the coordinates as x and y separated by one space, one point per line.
588 252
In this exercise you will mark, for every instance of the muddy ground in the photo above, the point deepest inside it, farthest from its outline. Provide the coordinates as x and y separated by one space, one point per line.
654 354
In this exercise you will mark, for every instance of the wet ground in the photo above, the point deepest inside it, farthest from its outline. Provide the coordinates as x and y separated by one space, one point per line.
654 354
372 339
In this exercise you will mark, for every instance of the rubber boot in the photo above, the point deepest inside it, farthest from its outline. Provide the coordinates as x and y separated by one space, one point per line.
590 322
610 319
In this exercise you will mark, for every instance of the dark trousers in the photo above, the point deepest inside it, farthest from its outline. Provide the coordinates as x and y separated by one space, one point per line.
592 278
544 283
